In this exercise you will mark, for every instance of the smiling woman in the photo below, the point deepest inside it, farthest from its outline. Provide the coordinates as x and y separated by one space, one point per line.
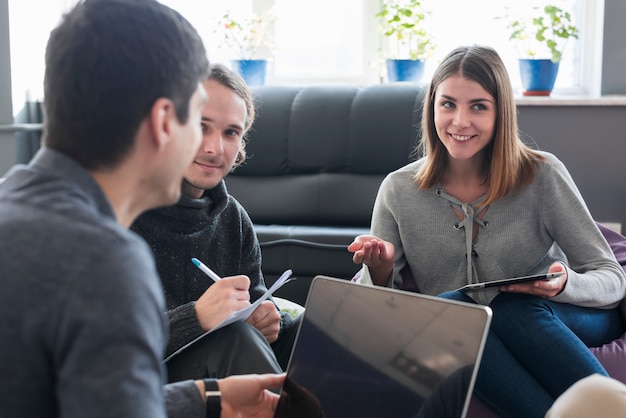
465 117
491 207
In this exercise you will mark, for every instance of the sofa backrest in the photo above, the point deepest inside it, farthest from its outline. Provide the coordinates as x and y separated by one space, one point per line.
317 154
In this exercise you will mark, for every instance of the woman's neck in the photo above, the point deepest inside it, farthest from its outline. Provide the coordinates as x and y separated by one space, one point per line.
465 180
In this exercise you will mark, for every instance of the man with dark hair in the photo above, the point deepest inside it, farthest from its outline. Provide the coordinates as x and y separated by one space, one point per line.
82 324
209 224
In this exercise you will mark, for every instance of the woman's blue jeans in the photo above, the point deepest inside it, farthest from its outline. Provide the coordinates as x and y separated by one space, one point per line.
536 349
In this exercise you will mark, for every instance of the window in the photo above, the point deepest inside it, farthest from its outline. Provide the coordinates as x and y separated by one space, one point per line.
480 22
320 40
326 41
30 24
351 40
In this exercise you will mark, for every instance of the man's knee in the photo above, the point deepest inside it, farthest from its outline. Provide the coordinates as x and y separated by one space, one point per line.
238 348
241 334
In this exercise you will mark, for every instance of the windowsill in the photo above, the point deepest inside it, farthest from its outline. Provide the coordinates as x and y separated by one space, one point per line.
567 100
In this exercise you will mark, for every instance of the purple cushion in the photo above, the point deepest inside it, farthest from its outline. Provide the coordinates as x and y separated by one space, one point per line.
617 242
613 355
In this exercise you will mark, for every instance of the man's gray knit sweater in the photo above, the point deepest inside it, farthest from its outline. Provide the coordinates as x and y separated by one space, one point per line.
81 308
515 237
214 229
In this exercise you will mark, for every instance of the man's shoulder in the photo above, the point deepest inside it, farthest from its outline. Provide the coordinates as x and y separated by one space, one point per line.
235 205
55 218
237 211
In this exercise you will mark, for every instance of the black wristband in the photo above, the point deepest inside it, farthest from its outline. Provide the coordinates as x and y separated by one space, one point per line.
213 398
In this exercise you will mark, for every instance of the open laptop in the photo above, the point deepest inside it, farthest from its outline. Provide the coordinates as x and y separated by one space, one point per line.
365 351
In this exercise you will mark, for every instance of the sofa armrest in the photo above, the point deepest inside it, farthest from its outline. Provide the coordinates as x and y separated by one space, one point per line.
308 251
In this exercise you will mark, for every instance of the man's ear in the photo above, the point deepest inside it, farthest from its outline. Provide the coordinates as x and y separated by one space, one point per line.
162 116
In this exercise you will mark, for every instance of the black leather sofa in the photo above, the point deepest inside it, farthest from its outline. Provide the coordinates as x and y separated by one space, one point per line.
317 155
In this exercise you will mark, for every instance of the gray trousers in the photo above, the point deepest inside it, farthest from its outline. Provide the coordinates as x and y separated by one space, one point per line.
238 348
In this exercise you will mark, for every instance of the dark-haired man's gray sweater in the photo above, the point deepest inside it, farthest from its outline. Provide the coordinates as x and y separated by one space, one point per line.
218 231
82 328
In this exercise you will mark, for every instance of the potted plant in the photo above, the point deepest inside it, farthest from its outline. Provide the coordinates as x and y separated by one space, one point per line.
249 40
410 43
540 41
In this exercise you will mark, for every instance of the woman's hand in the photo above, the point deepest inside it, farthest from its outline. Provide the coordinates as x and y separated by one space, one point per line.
542 288
371 251
376 254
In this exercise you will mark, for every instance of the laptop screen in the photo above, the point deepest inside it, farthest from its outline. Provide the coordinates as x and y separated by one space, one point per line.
366 351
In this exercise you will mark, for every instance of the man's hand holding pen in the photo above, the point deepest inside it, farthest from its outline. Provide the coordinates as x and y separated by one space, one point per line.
230 294
224 297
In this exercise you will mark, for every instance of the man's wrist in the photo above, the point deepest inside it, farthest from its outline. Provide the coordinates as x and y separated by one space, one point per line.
213 398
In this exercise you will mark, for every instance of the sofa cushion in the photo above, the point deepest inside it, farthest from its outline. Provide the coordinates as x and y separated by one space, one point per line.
308 251
318 154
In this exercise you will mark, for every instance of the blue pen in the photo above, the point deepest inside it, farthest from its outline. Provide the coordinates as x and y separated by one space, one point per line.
206 270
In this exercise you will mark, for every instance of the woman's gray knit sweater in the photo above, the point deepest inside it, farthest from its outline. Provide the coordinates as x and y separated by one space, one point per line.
516 237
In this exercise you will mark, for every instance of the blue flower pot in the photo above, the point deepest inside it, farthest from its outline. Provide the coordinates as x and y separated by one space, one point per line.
538 76
252 71
405 70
